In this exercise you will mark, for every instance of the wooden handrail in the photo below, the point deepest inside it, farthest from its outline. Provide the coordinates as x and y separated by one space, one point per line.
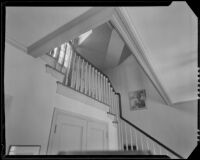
143 132
92 65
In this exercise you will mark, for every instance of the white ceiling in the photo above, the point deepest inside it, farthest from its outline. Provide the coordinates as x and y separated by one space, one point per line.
29 24
169 35
94 48
103 48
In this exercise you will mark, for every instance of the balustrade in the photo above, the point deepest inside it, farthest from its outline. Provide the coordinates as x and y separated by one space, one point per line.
83 77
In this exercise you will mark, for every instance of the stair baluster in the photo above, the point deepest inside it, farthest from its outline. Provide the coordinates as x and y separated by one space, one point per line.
126 136
95 84
60 58
89 80
82 75
102 99
92 83
96 89
148 145
141 142
86 78
122 137
160 151
68 64
73 79
65 60
131 135
154 152
145 142
136 143
111 96
56 56
104 89
107 93
99 86
77 73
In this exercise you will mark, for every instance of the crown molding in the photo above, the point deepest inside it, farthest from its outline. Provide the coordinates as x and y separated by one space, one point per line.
126 29
16 44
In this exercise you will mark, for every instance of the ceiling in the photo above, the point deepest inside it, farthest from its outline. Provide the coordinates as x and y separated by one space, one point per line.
169 35
94 48
104 47
26 25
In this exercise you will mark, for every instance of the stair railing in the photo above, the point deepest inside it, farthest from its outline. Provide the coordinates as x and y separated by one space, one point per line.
133 138
82 76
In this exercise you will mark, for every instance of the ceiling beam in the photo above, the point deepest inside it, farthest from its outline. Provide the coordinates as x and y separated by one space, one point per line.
16 44
124 26
114 51
87 21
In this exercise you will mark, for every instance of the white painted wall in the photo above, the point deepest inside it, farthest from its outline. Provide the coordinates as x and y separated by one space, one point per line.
30 100
175 126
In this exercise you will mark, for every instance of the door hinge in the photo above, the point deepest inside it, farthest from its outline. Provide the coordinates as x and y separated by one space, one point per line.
55 128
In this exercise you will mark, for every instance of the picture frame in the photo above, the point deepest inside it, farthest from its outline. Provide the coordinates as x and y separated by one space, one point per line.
137 99
24 150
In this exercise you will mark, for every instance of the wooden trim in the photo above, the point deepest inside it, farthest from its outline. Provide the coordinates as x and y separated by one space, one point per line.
53 121
125 28
64 90
88 20
55 73
16 44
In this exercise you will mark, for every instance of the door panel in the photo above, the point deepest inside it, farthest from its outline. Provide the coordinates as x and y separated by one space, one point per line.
70 134
73 132
96 136
71 137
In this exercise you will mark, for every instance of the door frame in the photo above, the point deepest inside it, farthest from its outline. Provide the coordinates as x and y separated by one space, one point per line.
58 111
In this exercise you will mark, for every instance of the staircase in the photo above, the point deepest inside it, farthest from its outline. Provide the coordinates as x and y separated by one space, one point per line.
76 75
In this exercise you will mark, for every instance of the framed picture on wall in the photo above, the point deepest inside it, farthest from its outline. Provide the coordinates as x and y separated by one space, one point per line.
137 99
24 150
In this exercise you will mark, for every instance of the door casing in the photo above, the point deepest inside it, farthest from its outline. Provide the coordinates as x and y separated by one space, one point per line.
58 112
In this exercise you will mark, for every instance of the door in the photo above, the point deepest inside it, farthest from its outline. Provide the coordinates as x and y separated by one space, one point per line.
97 136
68 134
73 132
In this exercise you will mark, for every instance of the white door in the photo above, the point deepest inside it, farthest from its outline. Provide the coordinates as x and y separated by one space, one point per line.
73 132
97 136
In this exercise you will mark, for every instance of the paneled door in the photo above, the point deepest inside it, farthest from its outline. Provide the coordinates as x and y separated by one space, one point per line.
97 136
74 132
